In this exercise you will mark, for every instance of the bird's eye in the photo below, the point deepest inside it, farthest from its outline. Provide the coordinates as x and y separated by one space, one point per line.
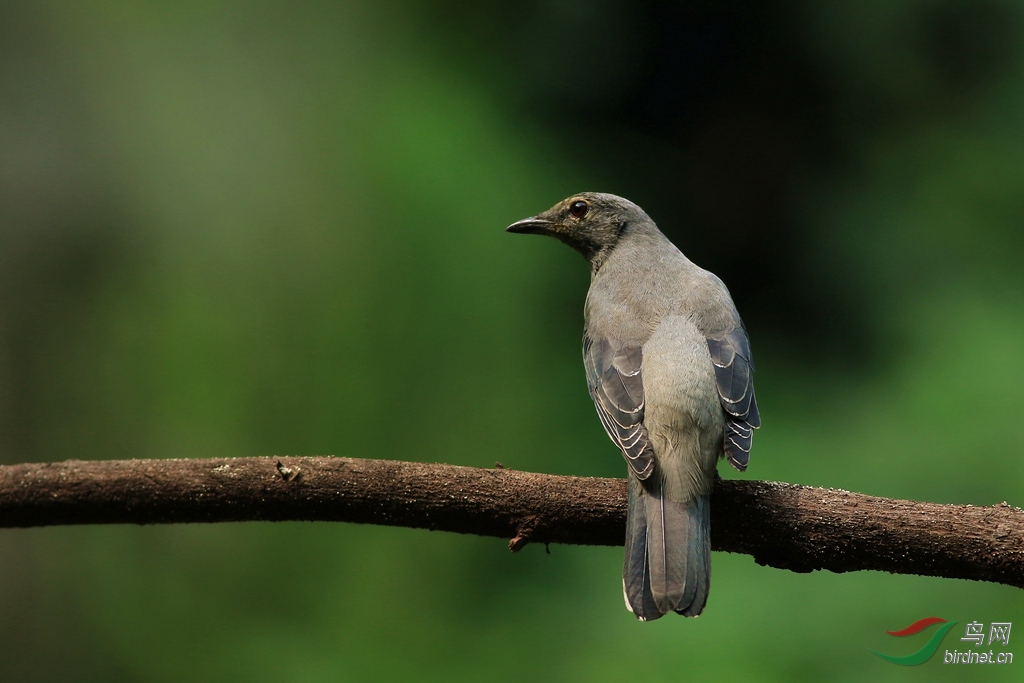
579 209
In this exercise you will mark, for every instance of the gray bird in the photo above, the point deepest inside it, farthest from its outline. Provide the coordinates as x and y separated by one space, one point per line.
669 368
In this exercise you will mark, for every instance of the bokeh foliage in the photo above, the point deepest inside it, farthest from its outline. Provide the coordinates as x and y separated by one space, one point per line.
234 229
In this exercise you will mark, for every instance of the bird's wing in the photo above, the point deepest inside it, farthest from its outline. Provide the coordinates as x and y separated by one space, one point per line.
733 372
617 387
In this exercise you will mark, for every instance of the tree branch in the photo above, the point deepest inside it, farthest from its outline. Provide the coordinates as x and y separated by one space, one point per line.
799 528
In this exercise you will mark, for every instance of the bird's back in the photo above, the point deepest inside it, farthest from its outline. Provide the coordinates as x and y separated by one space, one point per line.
646 278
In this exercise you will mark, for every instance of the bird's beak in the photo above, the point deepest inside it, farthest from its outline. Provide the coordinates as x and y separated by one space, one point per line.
531 226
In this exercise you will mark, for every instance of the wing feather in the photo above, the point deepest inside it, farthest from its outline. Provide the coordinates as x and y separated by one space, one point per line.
616 385
734 368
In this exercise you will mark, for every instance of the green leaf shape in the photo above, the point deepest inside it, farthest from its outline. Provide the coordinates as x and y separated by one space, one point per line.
922 655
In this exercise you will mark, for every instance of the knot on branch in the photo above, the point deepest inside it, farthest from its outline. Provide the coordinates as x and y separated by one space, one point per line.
288 473
525 530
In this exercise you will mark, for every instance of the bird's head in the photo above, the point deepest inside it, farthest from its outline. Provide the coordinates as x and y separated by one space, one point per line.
592 223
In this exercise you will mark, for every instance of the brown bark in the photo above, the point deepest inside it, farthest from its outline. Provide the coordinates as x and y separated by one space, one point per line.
799 528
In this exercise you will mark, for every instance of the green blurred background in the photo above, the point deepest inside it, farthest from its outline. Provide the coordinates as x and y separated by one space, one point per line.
239 229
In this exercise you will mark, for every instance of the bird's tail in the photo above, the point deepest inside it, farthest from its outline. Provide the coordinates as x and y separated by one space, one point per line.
668 552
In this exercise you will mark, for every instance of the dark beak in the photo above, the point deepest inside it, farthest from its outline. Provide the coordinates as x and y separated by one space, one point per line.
530 226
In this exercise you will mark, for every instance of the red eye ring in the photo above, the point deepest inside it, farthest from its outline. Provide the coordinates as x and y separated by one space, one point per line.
578 209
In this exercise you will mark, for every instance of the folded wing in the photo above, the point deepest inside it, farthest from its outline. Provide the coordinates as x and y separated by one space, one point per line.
616 385
734 368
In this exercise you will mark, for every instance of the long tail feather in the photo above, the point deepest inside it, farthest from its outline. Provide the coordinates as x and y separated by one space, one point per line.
636 580
667 563
698 565
668 528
